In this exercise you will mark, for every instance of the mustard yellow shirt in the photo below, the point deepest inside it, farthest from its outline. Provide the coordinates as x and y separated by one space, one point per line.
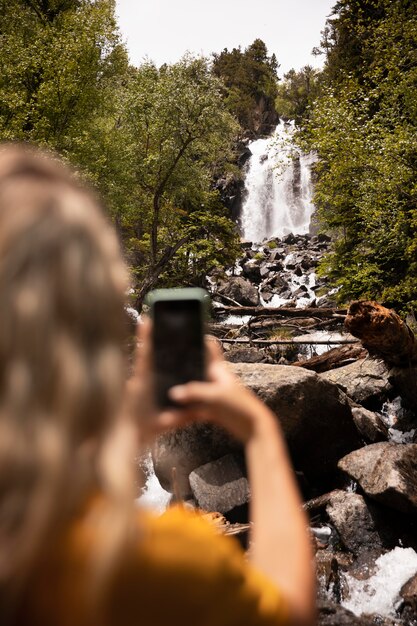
180 572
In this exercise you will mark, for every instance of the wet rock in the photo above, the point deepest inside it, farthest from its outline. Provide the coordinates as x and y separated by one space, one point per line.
185 449
409 596
350 515
307 263
321 237
252 270
369 424
220 485
364 380
241 290
277 282
332 614
315 415
327 572
386 472
266 295
289 239
404 379
264 270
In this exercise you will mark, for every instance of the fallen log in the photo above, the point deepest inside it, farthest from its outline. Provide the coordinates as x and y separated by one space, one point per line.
288 342
334 358
382 332
285 312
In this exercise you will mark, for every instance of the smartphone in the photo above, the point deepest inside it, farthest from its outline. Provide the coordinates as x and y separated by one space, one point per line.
179 317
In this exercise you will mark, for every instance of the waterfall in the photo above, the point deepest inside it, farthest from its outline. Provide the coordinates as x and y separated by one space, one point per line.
278 188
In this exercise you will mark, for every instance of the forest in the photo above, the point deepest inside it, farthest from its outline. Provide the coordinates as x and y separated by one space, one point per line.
155 141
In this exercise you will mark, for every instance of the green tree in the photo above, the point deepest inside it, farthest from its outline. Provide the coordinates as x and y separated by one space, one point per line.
61 65
250 81
297 93
364 129
182 135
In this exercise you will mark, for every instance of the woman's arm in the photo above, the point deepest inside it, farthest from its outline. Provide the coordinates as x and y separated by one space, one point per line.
281 544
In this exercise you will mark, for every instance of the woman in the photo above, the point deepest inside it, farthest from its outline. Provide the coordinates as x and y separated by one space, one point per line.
73 548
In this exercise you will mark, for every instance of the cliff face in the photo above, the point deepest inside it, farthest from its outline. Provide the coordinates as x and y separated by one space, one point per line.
264 119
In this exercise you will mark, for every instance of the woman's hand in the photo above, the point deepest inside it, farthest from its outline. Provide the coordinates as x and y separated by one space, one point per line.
222 400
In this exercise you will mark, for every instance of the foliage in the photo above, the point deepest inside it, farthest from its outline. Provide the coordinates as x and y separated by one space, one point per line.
250 78
297 93
364 129
182 134
151 140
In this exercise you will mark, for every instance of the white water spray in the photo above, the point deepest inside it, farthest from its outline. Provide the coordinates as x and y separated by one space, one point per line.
278 188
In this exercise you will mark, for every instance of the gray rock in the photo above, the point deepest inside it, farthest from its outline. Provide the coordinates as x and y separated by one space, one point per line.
364 380
386 472
315 414
369 424
352 519
185 449
240 290
220 485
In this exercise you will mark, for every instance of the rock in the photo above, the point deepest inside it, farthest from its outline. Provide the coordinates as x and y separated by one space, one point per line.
404 379
315 414
264 270
386 472
327 572
220 485
321 237
332 614
409 595
240 290
252 270
369 424
266 295
278 282
245 355
185 449
364 380
289 239
350 515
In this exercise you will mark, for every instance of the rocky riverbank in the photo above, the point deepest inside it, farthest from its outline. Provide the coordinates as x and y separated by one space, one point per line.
357 468
351 432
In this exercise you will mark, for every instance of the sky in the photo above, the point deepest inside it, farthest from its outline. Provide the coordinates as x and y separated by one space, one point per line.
163 30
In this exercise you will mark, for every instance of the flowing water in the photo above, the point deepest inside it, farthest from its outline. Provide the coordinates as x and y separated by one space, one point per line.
278 187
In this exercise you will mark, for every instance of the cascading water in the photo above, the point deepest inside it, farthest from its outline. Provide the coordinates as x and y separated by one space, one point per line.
278 188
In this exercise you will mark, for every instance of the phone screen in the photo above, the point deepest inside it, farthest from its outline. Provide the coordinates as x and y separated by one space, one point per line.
178 345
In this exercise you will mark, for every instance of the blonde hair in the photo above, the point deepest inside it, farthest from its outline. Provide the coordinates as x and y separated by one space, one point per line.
62 363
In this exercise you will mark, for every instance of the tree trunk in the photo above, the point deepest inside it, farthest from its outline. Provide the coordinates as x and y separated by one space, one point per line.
382 332
285 312
337 357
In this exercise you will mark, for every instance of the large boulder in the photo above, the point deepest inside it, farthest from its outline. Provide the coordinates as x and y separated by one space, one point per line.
185 449
386 472
369 424
240 290
220 485
314 414
364 380
350 515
